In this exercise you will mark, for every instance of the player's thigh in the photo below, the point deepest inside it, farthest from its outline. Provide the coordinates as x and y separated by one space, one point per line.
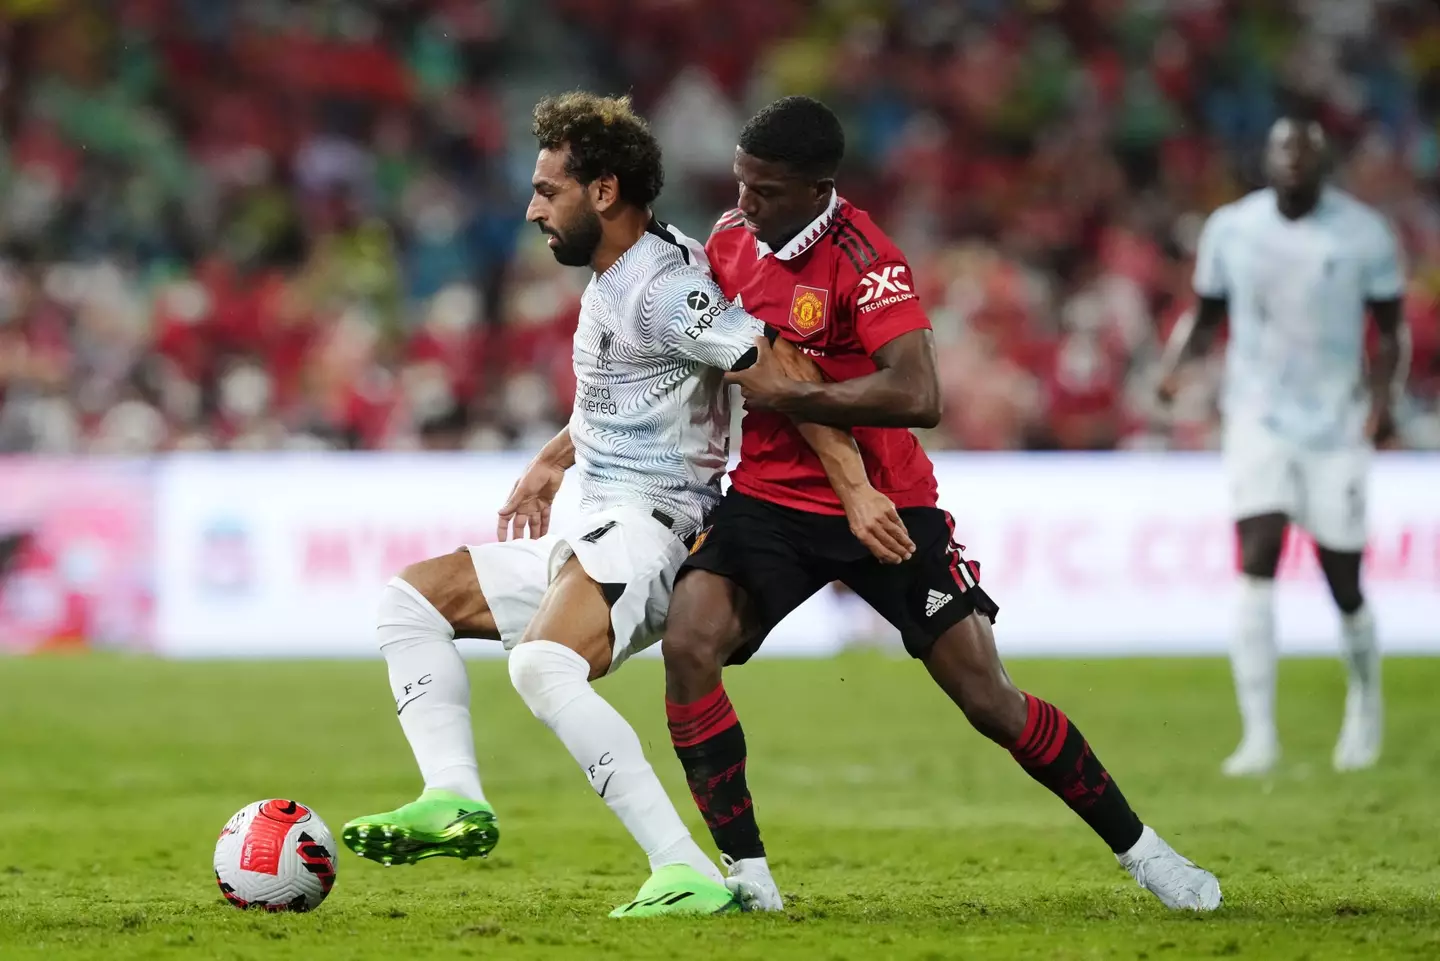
1262 539
1260 472
1336 487
750 568
506 581
613 574
1342 574
966 665
450 584
710 616
575 612
927 595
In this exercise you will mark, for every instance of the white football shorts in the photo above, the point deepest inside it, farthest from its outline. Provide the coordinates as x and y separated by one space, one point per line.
1323 491
627 548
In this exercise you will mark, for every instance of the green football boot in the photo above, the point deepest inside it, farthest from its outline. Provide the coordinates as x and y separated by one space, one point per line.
439 824
678 889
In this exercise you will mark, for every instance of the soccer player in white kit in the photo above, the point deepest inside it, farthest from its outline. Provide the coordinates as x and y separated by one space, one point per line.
1296 267
649 437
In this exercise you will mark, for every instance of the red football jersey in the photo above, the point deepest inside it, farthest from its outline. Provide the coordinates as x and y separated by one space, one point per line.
839 291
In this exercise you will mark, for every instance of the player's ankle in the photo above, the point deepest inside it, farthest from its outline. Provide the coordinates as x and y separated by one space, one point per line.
685 851
460 781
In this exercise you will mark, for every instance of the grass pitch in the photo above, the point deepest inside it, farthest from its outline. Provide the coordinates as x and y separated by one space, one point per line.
895 831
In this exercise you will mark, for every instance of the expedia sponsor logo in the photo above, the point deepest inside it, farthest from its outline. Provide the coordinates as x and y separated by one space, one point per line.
704 309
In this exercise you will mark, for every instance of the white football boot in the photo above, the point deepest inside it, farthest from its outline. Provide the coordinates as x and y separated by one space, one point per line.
750 881
1360 735
1176 881
1256 755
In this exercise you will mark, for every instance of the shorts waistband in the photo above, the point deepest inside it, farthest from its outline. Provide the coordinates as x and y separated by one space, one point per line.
669 522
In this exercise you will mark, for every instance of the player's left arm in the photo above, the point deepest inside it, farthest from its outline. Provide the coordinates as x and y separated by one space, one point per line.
871 515
1387 368
1384 293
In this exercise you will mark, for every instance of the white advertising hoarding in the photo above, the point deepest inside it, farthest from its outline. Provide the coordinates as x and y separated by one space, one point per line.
271 555
285 555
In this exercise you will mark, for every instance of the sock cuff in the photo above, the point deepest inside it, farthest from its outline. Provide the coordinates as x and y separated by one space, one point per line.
1358 618
1252 586
402 606
693 723
1046 727
554 654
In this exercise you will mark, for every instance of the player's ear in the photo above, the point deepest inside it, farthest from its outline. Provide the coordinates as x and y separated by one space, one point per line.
604 192
823 187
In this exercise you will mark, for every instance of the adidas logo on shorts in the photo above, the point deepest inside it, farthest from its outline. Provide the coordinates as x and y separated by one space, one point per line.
935 601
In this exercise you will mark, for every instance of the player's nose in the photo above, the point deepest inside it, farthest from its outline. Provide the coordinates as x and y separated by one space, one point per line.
748 203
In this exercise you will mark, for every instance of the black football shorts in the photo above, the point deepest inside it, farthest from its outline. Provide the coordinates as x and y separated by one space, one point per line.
781 556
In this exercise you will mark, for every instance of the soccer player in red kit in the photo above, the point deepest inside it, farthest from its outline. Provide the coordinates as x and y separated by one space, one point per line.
820 274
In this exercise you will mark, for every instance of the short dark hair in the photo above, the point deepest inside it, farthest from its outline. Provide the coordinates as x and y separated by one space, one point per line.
799 132
605 136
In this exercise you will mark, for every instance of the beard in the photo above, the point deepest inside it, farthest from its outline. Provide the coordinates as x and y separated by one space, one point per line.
578 241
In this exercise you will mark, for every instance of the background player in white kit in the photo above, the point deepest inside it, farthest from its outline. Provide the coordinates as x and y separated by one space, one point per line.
1296 267
650 437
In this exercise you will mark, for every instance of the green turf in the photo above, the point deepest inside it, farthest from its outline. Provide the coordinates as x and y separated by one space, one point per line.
894 830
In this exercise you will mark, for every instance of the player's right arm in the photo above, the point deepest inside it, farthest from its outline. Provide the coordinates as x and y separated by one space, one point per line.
702 326
533 494
904 390
1196 330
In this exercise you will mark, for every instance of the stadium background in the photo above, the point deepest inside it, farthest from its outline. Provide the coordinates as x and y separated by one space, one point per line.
271 327
242 241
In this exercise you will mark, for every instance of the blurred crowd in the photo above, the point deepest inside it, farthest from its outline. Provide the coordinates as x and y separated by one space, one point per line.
262 224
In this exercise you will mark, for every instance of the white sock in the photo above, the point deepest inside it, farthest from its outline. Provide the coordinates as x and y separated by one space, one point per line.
431 688
1358 648
553 681
1253 656
752 866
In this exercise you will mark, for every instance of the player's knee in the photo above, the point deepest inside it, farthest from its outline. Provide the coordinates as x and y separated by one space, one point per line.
704 627
689 652
994 707
1348 597
406 617
547 676
696 643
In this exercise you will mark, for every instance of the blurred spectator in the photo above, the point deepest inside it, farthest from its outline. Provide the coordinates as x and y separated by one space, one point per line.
261 224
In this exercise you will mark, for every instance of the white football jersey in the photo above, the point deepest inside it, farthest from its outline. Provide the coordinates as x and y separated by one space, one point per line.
651 423
1297 293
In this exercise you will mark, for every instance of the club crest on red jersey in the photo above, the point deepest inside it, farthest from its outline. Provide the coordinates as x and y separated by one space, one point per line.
808 309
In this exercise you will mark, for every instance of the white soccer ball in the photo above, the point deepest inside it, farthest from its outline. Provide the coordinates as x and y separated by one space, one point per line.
277 855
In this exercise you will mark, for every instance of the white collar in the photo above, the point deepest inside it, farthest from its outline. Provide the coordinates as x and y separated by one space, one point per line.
806 238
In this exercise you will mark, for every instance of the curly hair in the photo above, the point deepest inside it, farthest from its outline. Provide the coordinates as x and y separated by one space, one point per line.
799 132
605 136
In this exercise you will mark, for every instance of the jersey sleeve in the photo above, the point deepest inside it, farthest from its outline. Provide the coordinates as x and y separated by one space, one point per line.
1210 280
695 321
882 301
1384 277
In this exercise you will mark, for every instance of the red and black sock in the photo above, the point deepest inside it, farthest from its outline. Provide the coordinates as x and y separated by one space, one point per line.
711 747
1055 753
